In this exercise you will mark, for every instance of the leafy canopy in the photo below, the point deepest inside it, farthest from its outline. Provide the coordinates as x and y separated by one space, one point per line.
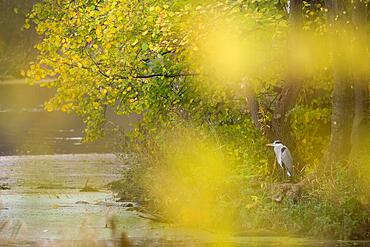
150 56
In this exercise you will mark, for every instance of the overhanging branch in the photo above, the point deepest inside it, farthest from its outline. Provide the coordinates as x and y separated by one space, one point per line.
158 75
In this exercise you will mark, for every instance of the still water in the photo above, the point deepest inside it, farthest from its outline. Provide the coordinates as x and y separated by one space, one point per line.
26 128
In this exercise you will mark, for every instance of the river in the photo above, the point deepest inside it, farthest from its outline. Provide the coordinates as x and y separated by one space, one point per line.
43 167
26 128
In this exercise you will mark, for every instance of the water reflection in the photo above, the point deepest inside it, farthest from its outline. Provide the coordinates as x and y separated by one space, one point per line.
26 128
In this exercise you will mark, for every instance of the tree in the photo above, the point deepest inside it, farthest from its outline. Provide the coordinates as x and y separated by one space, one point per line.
361 80
187 60
290 91
350 109
106 54
130 55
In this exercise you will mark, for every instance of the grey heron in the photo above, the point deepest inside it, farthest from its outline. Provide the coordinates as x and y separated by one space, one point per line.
283 157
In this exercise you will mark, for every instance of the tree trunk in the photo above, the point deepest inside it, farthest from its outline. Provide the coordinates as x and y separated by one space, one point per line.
342 99
341 119
286 101
280 124
359 19
280 128
252 103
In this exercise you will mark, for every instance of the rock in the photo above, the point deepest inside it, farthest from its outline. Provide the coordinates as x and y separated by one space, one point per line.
131 209
278 197
121 197
4 187
286 190
82 202
128 204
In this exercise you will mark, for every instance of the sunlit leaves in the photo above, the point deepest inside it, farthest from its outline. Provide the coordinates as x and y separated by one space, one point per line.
96 49
158 57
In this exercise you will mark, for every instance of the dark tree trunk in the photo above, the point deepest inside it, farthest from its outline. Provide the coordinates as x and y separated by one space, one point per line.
253 108
286 101
280 123
280 127
359 19
342 99
252 103
342 117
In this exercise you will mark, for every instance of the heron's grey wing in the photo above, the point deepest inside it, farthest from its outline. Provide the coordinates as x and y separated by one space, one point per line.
277 150
287 159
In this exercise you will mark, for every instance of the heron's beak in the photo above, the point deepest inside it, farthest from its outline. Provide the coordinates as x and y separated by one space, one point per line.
270 145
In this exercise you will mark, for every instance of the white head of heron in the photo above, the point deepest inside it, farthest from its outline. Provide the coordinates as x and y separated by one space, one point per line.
283 157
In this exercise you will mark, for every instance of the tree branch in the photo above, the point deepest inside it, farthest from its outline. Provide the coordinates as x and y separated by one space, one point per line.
158 75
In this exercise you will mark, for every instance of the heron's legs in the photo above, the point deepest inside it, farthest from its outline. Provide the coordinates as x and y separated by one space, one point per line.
281 173
279 170
286 177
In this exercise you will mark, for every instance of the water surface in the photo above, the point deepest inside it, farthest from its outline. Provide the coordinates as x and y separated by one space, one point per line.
26 128
45 207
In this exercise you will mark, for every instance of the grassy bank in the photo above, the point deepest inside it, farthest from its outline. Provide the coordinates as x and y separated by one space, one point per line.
224 178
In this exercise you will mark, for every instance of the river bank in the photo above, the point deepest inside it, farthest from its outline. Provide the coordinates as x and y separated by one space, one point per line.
44 206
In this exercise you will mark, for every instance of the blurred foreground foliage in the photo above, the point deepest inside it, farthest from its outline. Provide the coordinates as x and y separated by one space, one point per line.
197 156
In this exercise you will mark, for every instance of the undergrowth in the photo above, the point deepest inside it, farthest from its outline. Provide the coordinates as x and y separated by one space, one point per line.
333 204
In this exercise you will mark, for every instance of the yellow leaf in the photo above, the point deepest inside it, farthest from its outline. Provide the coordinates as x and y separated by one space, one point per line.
48 108
98 31
135 42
